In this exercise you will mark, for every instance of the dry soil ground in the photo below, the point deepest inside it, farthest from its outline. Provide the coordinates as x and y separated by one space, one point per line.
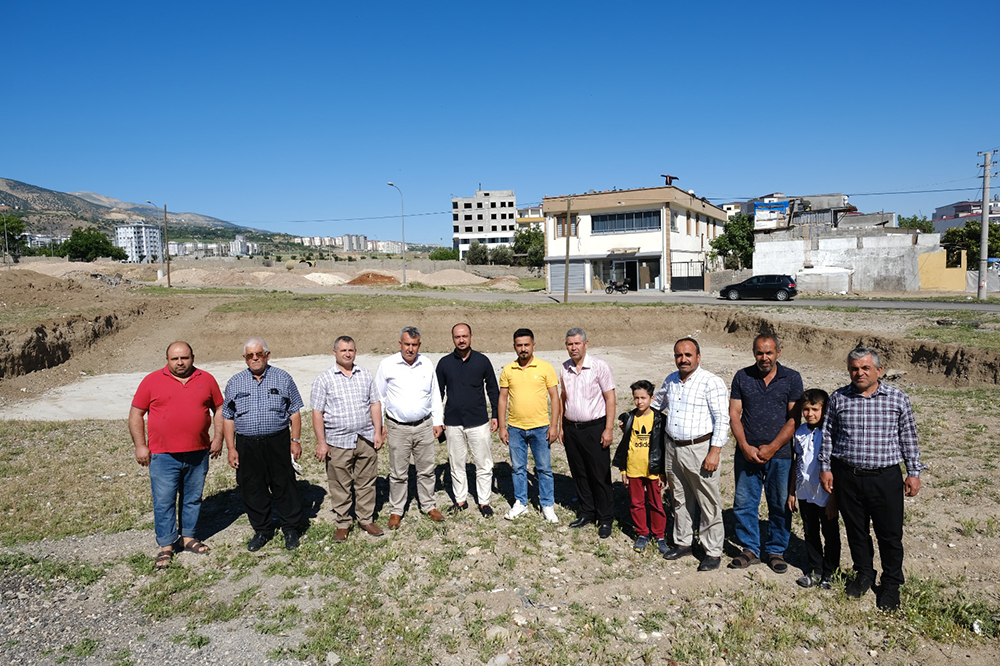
76 584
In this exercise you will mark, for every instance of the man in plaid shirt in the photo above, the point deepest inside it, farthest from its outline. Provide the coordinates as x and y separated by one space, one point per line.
869 429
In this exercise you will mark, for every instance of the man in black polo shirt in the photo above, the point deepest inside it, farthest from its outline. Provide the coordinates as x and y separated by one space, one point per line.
762 398
462 377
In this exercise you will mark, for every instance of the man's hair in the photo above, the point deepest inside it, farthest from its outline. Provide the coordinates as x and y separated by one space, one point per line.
461 323
255 341
767 336
815 397
180 342
860 352
411 331
573 332
524 333
697 347
344 338
643 385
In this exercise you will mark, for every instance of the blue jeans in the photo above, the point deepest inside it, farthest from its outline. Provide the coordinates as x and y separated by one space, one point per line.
771 478
174 476
518 442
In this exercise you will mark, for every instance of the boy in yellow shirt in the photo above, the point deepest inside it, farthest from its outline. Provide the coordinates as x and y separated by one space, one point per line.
639 456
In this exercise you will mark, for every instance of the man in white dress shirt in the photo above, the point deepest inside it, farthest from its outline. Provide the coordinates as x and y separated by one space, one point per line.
414 419
695 403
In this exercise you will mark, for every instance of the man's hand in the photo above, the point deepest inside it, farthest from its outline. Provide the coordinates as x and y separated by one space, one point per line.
791 502
751 453
711 462
766 452
624 477
826 480
437 431
553 435
296 450
142 454
912 486
606 438
379 438
234 458
321 451
504 435
215 450
494 424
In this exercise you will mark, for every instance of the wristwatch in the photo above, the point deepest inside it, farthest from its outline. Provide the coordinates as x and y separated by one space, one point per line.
296 440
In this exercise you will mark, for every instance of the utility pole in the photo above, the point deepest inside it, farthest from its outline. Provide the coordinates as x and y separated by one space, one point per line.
166 243
566 228
984 235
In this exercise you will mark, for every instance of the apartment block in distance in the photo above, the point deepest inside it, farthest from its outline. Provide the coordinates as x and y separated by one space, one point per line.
140 241
490 217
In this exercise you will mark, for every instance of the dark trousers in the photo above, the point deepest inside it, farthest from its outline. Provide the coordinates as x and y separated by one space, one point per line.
590 465
823 561
266 478
872 499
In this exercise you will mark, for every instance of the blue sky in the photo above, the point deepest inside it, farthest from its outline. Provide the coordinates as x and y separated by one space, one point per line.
292 116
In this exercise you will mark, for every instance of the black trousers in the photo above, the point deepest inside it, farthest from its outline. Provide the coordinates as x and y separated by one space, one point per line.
822 561
266 479
872 499
590 465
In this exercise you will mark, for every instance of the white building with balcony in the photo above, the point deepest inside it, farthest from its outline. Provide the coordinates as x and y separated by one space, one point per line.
489 217
141 242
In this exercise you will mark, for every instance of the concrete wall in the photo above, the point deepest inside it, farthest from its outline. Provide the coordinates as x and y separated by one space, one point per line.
880 261
935 274
718 279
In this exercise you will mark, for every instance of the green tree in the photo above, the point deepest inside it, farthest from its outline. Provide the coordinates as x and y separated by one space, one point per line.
12 228
529 246
735 243
967 238
443 254
89 244
921 223
502 255
478 254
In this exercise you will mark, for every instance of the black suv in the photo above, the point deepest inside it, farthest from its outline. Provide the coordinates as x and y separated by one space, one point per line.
781 287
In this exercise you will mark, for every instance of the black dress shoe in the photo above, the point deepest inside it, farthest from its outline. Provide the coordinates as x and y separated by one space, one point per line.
859 586
582 522
604 531
458 508
677 552
888 598
259 540
486 510
710 563
291 538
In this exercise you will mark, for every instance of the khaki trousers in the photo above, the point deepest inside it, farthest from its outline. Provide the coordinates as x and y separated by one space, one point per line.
357 467
476 440
406 442
691 486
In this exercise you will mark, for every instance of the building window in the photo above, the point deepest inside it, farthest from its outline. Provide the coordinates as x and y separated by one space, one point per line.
479 229
493 204
493 228
468 230
454 217
493 216
697 224
479 204
687 219
468 205
624 222
560 226
468 217
479 216
454 204
454 229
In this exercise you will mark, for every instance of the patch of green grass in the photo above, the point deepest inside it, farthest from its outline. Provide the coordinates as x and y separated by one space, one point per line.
191 639
50 569
281 621
85 648
943 612
121 657
531 283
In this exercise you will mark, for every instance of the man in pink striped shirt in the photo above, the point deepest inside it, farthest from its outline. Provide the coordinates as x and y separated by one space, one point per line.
588 394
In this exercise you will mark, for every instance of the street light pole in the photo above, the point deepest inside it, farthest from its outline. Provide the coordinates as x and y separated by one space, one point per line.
166 244
402 225
6 252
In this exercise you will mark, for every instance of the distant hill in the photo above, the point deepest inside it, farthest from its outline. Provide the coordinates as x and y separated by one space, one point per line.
52 212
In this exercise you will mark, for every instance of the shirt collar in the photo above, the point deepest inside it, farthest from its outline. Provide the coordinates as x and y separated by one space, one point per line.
878 390
780 373
571 366
336 369
417 361
194 373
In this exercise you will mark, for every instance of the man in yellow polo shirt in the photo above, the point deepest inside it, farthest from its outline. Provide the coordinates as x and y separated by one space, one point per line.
527 386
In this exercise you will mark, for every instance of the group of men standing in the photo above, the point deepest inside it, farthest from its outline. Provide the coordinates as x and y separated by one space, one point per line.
409 403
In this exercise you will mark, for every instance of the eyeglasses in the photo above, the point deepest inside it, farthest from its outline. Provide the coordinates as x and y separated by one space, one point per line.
251 355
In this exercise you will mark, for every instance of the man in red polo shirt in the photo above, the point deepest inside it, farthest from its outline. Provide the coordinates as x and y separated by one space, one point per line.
179 400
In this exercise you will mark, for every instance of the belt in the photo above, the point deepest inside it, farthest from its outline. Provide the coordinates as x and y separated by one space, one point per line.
580 425
864 471
261 438
689 442
408 423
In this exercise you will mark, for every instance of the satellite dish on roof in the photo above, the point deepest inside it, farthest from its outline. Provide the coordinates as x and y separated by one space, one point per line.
691 192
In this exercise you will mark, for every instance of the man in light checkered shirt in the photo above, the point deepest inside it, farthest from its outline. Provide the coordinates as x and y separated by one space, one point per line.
695 403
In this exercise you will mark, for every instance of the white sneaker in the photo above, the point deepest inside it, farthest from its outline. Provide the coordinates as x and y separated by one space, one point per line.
515 511
550 514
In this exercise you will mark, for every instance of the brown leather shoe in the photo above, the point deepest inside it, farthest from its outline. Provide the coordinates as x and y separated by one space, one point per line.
394 521
435 515
341 534
373 529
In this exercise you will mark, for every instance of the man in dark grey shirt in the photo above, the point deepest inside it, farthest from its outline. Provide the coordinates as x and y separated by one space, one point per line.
463 375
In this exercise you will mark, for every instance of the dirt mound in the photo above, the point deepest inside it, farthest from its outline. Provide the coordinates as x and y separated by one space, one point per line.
373 279
27 288
200 277
505 283
327 279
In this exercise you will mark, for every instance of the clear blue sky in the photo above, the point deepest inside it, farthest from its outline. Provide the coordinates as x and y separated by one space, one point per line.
276 114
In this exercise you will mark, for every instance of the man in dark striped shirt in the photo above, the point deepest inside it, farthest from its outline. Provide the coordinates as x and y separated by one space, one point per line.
869 429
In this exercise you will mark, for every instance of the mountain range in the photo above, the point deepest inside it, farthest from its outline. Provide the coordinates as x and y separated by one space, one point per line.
53 212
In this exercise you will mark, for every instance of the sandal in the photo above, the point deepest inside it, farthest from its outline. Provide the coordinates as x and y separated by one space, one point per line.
744 560
163 559
777 563
196 547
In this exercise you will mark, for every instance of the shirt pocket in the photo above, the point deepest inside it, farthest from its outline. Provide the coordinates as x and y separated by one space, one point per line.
240 403
277 402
